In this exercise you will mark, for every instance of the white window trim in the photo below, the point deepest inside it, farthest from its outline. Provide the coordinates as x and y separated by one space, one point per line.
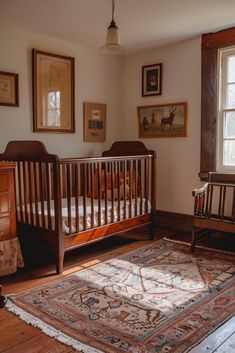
222 68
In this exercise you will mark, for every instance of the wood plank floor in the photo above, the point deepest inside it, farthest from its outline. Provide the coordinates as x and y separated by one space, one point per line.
19 337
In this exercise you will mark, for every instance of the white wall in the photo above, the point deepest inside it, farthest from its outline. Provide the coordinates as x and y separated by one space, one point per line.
97 79
116 82
178 159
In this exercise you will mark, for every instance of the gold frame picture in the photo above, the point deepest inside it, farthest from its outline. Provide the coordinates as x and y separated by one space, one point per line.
53 92
94 125
9 89
163 120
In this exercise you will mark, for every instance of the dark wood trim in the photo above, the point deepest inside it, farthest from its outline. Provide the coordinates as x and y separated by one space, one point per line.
211 42
173 221
219 39
218 177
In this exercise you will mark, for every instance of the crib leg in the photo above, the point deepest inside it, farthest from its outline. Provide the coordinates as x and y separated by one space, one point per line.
60 263
151 231
193 241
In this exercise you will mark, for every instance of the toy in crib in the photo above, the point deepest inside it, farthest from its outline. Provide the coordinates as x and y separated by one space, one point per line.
121 191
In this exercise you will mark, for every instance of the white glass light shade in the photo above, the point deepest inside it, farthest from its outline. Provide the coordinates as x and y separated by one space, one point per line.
112 45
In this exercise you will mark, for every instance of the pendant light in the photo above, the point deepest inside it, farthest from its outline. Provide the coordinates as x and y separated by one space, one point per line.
112 45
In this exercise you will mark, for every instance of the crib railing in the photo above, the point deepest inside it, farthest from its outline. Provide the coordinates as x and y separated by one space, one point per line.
35 193
86 193
110 189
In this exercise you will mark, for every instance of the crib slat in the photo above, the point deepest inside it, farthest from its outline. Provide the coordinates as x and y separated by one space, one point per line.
106 192
130 188
140 185
118 195
135 186
76 178
30 193
92 193
35 174
42 194
85 196
112 193
146 172
99 194
25 186
68 193
48 195
124 188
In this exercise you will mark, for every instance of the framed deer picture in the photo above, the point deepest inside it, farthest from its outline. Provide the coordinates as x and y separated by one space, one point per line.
163 120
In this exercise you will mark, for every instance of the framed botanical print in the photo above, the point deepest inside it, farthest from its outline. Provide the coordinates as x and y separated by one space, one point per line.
152 80
53 92
9 89
94 122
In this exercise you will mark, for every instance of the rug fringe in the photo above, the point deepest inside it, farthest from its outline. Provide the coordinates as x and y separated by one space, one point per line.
49 330
198 246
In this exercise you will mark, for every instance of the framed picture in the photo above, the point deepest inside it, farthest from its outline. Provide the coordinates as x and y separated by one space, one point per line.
163 120
53 92
94 122
152 80
9 89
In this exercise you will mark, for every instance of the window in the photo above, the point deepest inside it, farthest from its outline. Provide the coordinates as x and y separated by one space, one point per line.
217 101
226 111
51 108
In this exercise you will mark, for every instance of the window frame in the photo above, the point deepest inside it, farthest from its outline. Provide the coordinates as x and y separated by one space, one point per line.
211 43
223 55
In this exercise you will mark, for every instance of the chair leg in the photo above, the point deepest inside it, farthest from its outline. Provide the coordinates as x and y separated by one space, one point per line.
193 241
2 298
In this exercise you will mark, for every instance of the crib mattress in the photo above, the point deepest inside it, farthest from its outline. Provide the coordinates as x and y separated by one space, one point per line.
137 208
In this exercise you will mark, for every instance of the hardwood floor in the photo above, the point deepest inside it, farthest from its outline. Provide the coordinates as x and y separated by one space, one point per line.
19 337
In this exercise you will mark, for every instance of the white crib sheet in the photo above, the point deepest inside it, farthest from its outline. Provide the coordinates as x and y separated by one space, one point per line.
135 204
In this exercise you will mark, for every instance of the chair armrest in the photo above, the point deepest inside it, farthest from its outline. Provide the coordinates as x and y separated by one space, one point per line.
197 192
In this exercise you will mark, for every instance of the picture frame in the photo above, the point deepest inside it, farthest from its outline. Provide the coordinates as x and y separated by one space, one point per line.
163 120
53 92
9 89
94 125
152 80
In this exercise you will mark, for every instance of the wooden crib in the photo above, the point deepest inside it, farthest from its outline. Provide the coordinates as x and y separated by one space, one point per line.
66 203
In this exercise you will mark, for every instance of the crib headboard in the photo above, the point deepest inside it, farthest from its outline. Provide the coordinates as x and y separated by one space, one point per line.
27 151
127 148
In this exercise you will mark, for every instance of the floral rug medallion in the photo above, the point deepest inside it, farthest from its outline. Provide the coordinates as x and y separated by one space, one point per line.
158 298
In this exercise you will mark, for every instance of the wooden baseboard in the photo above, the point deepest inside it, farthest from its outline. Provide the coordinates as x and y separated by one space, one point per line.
174 221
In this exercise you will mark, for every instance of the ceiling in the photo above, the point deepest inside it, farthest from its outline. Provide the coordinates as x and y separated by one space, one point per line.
142 24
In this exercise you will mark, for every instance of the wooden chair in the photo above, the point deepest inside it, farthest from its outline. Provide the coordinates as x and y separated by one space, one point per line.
214 209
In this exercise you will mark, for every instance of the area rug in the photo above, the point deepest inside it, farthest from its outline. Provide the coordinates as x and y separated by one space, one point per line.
158 298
